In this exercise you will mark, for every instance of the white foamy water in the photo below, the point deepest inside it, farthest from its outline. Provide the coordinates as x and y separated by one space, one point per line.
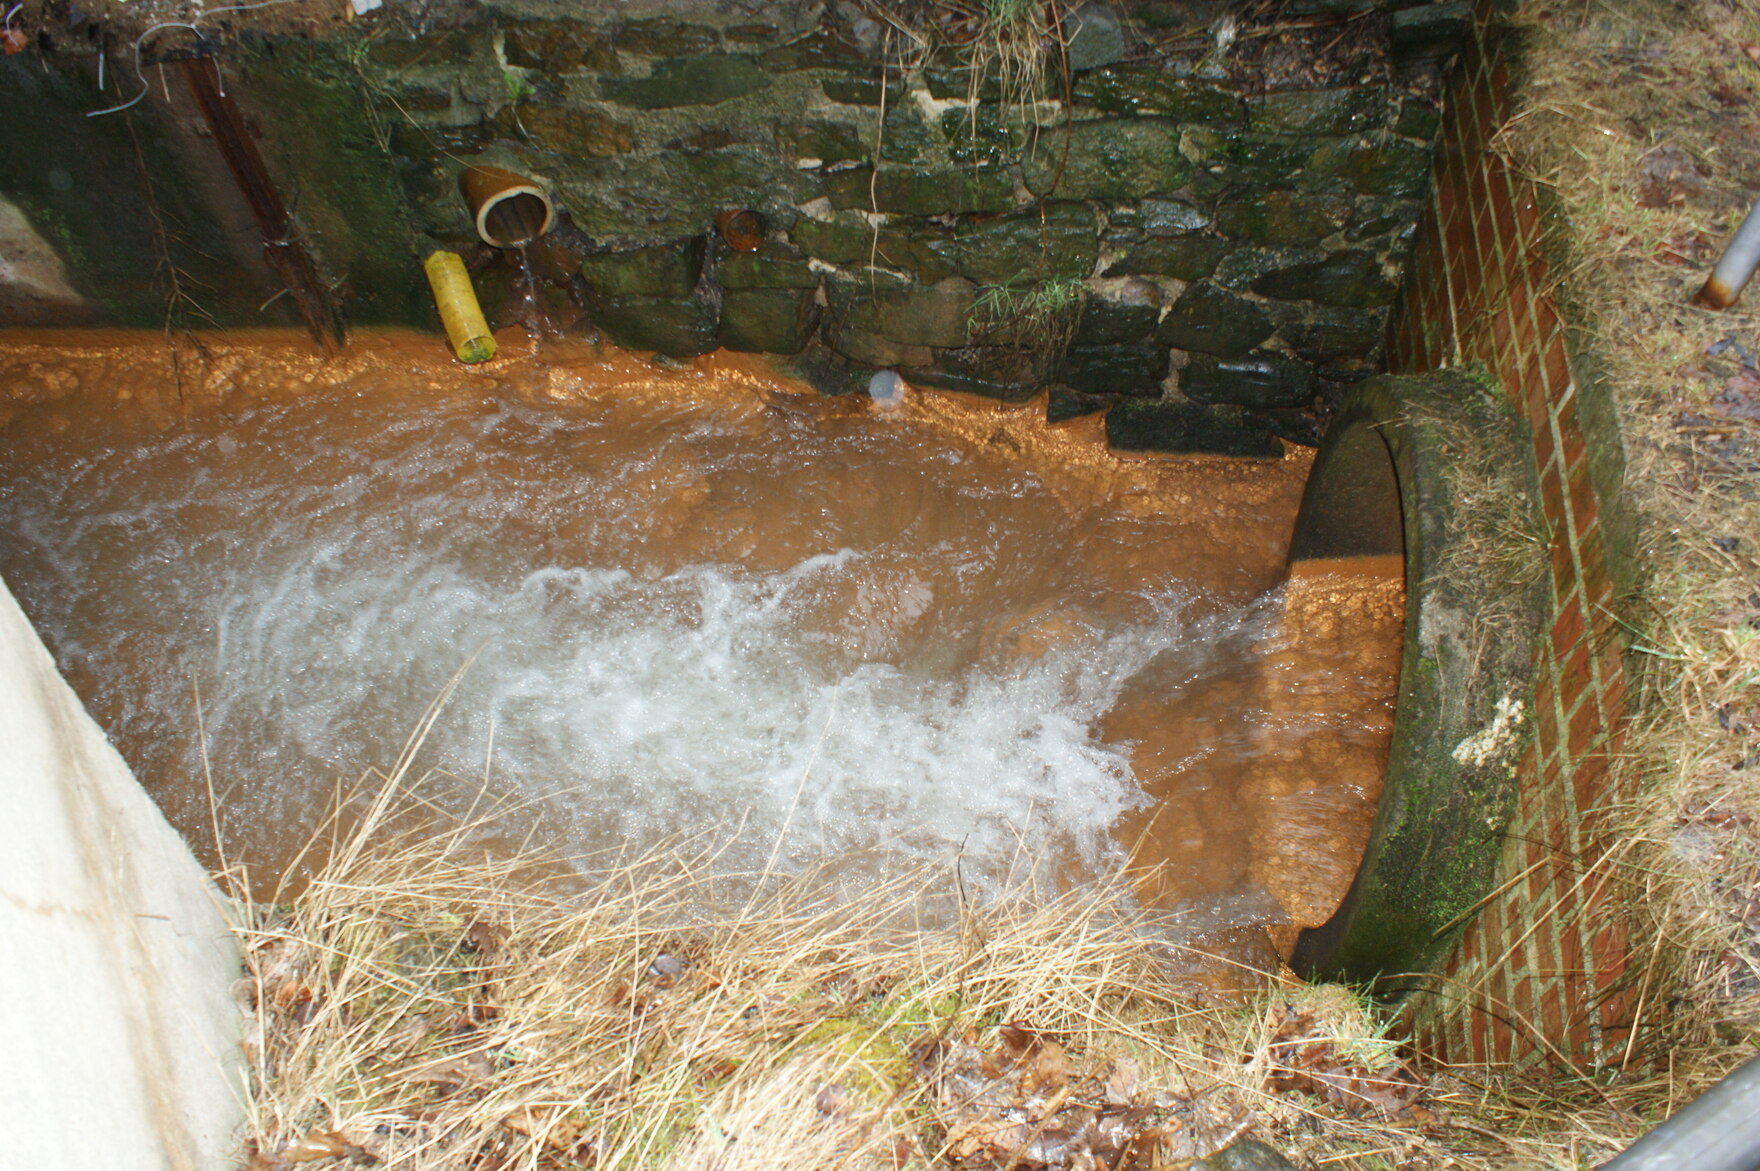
775 618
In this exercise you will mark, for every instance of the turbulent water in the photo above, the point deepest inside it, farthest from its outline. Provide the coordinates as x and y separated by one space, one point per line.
664 610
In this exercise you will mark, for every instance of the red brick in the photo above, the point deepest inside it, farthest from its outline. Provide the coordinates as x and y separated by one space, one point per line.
1574 682
1479 1026
1449 175
1552 497
1585 510
1528 213
1585 723
1613 685
1546 726
1500 343
1535 863
1589 781
1573 447
1591 552
1497 85
1520 298
1553 1020
1549 339
1564 566
1569 627
1479 193
1485 119
1503 213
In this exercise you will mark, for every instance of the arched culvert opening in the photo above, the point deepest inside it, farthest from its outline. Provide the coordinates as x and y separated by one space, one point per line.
1432 470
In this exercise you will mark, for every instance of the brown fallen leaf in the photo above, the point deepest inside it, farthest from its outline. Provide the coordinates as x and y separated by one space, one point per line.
467 1069
484 938
1049 1070
1668 175
316 1145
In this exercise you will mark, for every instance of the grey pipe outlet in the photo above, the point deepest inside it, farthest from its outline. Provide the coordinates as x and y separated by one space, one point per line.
1734 267
1717 1131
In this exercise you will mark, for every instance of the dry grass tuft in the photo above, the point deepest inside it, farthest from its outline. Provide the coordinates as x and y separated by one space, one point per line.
423 1004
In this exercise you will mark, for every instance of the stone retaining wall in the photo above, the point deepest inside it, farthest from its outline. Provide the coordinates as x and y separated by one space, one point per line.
1161 222
1161 218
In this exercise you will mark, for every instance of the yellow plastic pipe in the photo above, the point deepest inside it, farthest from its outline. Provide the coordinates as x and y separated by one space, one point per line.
459 311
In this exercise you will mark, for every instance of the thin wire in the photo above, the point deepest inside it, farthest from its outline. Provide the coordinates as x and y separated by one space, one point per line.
149 31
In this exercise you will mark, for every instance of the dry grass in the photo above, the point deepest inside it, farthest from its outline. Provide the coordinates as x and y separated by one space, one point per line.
1641 118
424 1004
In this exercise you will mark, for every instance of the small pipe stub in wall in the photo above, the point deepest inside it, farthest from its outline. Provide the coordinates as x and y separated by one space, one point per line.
743 229
508 210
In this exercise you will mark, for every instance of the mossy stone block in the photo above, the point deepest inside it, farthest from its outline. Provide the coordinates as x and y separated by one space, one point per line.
843 239
586 134
688 81
1212 320
1109 322
1049 242
1244 265
924 191
827 140
1063 404
862 89
556 46
1352 278
1108 158
1170 217
1282 218
1258 380
452 48
680 327
1418 120
1322 334
1189 429
1244 157
1185 258
1135 370
662 36
825 47
637 198
918 315
871 350
661 270
1129 89
769 321
1376 165
959 84
775 266
928 251
999 372
906 138
980 134
1349 110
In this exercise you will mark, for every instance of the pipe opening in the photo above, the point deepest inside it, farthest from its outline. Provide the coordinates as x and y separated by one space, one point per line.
514 220
508 210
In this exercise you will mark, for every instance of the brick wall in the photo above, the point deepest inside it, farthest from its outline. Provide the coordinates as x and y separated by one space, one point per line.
1540 974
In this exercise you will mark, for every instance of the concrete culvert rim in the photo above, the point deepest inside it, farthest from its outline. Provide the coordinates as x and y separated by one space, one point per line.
1429 469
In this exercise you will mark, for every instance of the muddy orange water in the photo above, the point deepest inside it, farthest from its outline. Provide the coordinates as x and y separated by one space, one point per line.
702 601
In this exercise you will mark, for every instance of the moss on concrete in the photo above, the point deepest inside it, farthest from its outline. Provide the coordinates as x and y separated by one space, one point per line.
1465 693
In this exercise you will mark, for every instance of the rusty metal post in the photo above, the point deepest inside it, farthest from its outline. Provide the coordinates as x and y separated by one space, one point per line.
283 246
